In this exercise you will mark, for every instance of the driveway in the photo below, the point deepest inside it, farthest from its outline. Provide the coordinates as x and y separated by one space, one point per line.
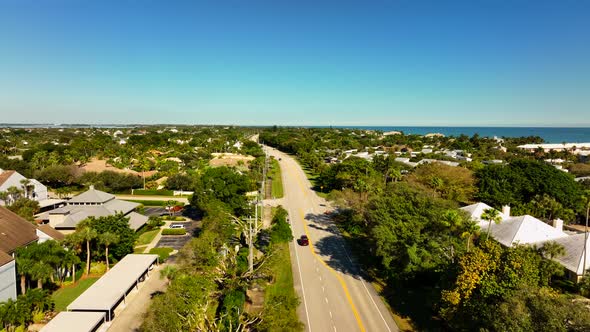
131 317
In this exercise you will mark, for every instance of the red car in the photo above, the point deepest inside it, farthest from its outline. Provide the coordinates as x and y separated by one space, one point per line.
303 240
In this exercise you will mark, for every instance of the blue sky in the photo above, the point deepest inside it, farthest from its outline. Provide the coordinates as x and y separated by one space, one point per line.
411 62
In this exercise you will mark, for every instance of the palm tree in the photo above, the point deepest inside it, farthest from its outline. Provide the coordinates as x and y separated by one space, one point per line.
24 264
437 184
471 229
491 215
106 239
393 173
26 183
87 234
13 194
74 242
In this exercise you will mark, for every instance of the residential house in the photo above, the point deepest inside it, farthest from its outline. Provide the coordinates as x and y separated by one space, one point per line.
530 230
35 190
91 203
15 232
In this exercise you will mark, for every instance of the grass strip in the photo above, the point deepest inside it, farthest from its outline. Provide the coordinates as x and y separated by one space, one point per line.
64 296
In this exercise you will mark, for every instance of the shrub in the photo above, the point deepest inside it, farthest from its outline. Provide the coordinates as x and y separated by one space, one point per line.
281 230
173 218
174 231
98 268
163 253
38 317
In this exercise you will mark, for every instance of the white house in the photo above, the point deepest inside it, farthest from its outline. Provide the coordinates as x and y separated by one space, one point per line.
35 190
530 230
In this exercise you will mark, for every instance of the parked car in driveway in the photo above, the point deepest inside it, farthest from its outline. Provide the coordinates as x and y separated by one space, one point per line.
176 226
303 240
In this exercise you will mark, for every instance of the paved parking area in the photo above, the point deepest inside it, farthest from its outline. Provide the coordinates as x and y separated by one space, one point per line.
175 241
155 211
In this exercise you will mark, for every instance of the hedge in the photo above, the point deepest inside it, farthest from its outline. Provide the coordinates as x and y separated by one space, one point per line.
174 231
160 192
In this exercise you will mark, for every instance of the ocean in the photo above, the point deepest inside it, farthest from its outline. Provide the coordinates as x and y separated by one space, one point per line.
549 134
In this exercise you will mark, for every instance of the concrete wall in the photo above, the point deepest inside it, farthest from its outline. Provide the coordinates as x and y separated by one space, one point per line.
7 281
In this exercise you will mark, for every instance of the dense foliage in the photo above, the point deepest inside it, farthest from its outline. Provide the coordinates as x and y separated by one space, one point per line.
530 187
21 312
225 185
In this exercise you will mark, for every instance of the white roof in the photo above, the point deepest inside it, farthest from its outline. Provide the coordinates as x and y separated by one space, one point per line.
476 210
105 293
573 259
74 322
522 230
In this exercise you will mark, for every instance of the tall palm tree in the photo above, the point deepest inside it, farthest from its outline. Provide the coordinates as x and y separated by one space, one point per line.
106 239
491 215
87 234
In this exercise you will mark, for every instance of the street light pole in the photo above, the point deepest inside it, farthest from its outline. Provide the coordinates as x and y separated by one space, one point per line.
586 237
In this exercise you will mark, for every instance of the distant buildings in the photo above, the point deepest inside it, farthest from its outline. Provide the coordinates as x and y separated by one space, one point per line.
575 148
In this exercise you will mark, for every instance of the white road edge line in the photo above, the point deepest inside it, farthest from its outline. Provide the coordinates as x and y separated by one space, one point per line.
367 290
301 280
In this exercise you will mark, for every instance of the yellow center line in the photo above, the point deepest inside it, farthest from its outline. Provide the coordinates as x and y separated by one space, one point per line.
342 282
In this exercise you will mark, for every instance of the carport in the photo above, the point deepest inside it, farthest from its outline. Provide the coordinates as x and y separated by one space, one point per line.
75 322
112 288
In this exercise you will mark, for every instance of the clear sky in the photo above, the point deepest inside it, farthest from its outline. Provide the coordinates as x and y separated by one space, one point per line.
412 62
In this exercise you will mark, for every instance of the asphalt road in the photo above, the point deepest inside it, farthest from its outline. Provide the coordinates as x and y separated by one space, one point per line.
334 295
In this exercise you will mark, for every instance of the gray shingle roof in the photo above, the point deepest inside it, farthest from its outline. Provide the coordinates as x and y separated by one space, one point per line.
92 196
136 220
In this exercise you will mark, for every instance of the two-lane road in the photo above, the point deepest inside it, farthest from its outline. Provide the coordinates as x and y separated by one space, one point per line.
334 295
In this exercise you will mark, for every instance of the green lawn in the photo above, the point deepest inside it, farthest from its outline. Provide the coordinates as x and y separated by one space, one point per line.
139 249
64 296
277 180
280 300
146 238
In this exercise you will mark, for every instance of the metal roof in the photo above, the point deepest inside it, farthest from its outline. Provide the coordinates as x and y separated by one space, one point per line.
105 293
92 196
74 322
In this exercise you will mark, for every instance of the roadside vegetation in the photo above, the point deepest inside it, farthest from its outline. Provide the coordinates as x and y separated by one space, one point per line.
430 262
276 179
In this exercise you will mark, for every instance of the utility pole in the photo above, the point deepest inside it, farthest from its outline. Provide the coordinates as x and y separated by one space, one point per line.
586 236
250 248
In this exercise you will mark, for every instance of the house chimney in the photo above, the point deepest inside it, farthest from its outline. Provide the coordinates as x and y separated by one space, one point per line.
558 224
506 211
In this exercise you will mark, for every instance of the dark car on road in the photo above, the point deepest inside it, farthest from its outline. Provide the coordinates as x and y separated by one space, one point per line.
303 240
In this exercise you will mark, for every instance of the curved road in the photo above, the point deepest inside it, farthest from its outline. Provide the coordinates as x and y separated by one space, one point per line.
334 296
